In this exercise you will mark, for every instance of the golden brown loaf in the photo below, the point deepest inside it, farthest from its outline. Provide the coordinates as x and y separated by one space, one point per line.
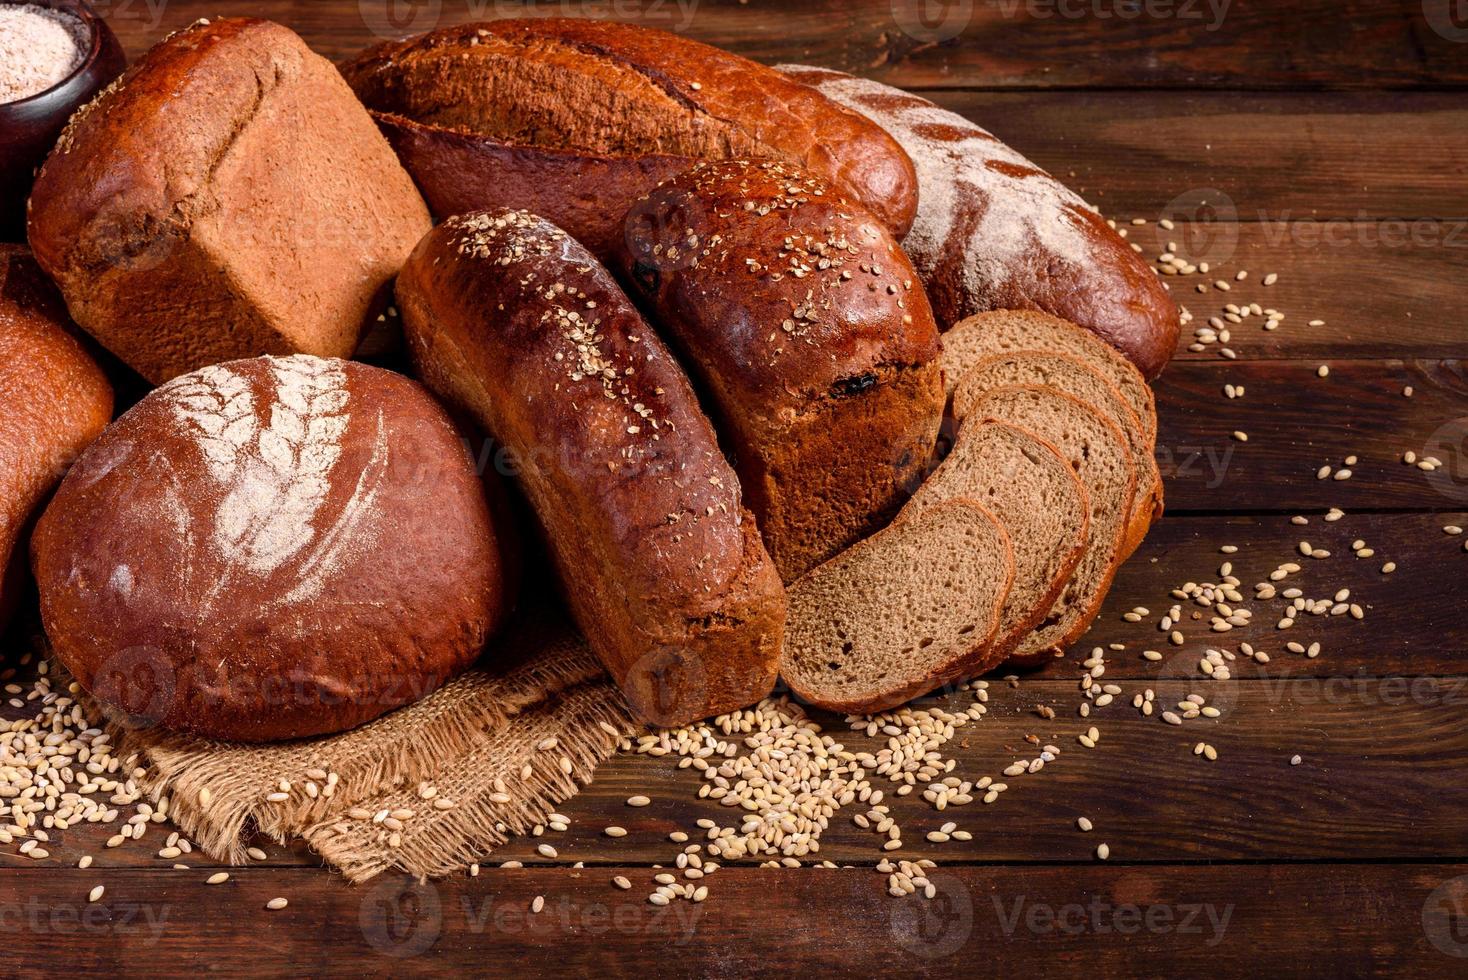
270 548
54 401
807 327
511 319
226 197
575 119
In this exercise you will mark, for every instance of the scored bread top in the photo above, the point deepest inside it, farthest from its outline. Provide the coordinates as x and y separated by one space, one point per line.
1025 482
1097 451
617 89
784 289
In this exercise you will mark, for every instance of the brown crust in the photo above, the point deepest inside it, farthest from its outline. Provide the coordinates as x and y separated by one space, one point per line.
1113 293
230 187
514 321
662 95
805 323
54 400
270 549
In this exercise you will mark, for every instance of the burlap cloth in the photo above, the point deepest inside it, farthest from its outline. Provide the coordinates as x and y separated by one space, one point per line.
481 743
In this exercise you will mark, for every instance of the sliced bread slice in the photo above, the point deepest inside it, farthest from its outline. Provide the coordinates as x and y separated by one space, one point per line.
1000 331
1029 486
1097 451
889 619
1069 375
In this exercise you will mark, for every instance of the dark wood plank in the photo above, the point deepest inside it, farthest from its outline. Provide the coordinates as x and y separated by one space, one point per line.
999 44
1349 920
1297 422
1389 289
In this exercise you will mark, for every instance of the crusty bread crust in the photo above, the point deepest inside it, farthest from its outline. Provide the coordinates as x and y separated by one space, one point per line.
574 119
808 329
270 548
54 400
994 231
228 196
511 319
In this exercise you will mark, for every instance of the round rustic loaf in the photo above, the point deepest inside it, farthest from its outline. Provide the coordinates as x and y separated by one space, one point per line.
270 548
54 401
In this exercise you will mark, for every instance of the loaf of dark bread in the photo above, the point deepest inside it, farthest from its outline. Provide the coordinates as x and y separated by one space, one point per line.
54 401
808 328
512 320
574 119
269 549
995 232
226 197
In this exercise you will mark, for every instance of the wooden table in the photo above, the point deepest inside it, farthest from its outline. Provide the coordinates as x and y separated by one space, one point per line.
1331 140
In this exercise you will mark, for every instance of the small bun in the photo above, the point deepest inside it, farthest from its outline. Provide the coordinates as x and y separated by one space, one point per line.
270 548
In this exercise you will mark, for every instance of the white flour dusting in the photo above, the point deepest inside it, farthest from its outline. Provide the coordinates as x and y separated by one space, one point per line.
962 167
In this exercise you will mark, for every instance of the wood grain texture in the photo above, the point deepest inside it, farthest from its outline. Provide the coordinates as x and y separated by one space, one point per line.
1346 920
1248 44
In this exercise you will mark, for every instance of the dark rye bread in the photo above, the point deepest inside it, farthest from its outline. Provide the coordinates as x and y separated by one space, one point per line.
226 197
512 320
1097 451
995 232
1067 374
809 331
54 400
1025 483
574 119
1002 331
897 615
271 548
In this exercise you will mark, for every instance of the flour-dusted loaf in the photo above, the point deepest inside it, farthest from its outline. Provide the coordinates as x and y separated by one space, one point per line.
1098 452
809 331
1004 331
270 548
226 197
1067 374
54 400
574 119
994 231
1035 494
899 614
511 319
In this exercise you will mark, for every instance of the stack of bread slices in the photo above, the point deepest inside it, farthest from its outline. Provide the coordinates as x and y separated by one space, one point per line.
1050 484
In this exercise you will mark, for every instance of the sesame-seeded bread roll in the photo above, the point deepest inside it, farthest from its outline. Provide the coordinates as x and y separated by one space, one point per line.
514 321
1062 372
994 231
807 327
